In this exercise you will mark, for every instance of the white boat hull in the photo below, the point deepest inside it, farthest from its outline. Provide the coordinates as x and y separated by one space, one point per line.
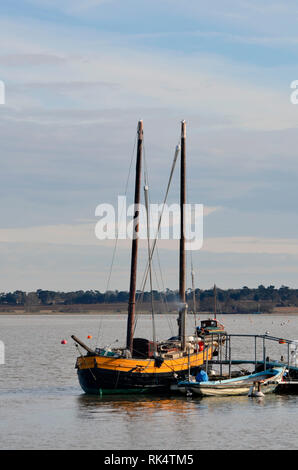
262 382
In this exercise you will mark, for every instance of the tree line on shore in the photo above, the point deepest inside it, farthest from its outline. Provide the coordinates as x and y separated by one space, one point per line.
244 300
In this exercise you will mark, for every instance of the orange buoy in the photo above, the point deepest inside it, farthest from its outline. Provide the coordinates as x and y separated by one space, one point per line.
64 341
89 337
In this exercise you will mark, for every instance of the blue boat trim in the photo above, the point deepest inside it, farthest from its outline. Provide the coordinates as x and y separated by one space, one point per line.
269 372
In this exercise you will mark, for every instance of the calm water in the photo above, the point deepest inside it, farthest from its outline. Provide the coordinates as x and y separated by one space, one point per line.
43 407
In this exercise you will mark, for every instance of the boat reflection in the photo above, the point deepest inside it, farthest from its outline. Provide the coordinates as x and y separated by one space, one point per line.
184 407
134 404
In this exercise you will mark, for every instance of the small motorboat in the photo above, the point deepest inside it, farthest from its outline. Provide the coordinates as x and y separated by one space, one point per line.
210 327
253 384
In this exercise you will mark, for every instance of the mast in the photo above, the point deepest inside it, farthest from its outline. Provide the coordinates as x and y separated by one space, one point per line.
194 295
182 311
215 300
135 240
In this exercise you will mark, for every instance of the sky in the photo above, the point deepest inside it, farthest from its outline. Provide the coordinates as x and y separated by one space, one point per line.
79 75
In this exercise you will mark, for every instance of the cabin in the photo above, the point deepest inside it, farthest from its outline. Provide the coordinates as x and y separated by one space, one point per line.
211 326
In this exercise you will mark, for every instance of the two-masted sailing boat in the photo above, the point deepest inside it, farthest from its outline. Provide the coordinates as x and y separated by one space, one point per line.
146 366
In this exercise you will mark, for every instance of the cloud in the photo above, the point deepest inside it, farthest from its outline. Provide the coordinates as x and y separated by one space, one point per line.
102 71
27 60
79 75
80 234
251 245
70 6
84 235
229 37
72 267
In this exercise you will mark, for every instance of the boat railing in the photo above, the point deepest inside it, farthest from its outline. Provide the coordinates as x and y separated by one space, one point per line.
258 353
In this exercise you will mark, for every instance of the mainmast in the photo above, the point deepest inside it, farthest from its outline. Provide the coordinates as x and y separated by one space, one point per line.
135 240
182 271
215 300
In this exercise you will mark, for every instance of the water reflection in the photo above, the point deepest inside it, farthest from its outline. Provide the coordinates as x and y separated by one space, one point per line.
134 404
140 421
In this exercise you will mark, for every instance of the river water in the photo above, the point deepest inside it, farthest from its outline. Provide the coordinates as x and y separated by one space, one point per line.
43 407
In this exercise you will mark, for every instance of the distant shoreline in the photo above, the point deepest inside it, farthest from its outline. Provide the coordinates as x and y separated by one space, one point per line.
117 309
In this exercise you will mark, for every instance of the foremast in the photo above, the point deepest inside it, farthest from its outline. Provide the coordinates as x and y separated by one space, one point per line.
135 240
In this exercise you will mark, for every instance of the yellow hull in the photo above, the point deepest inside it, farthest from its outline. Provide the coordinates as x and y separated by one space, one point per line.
100 374
143 365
